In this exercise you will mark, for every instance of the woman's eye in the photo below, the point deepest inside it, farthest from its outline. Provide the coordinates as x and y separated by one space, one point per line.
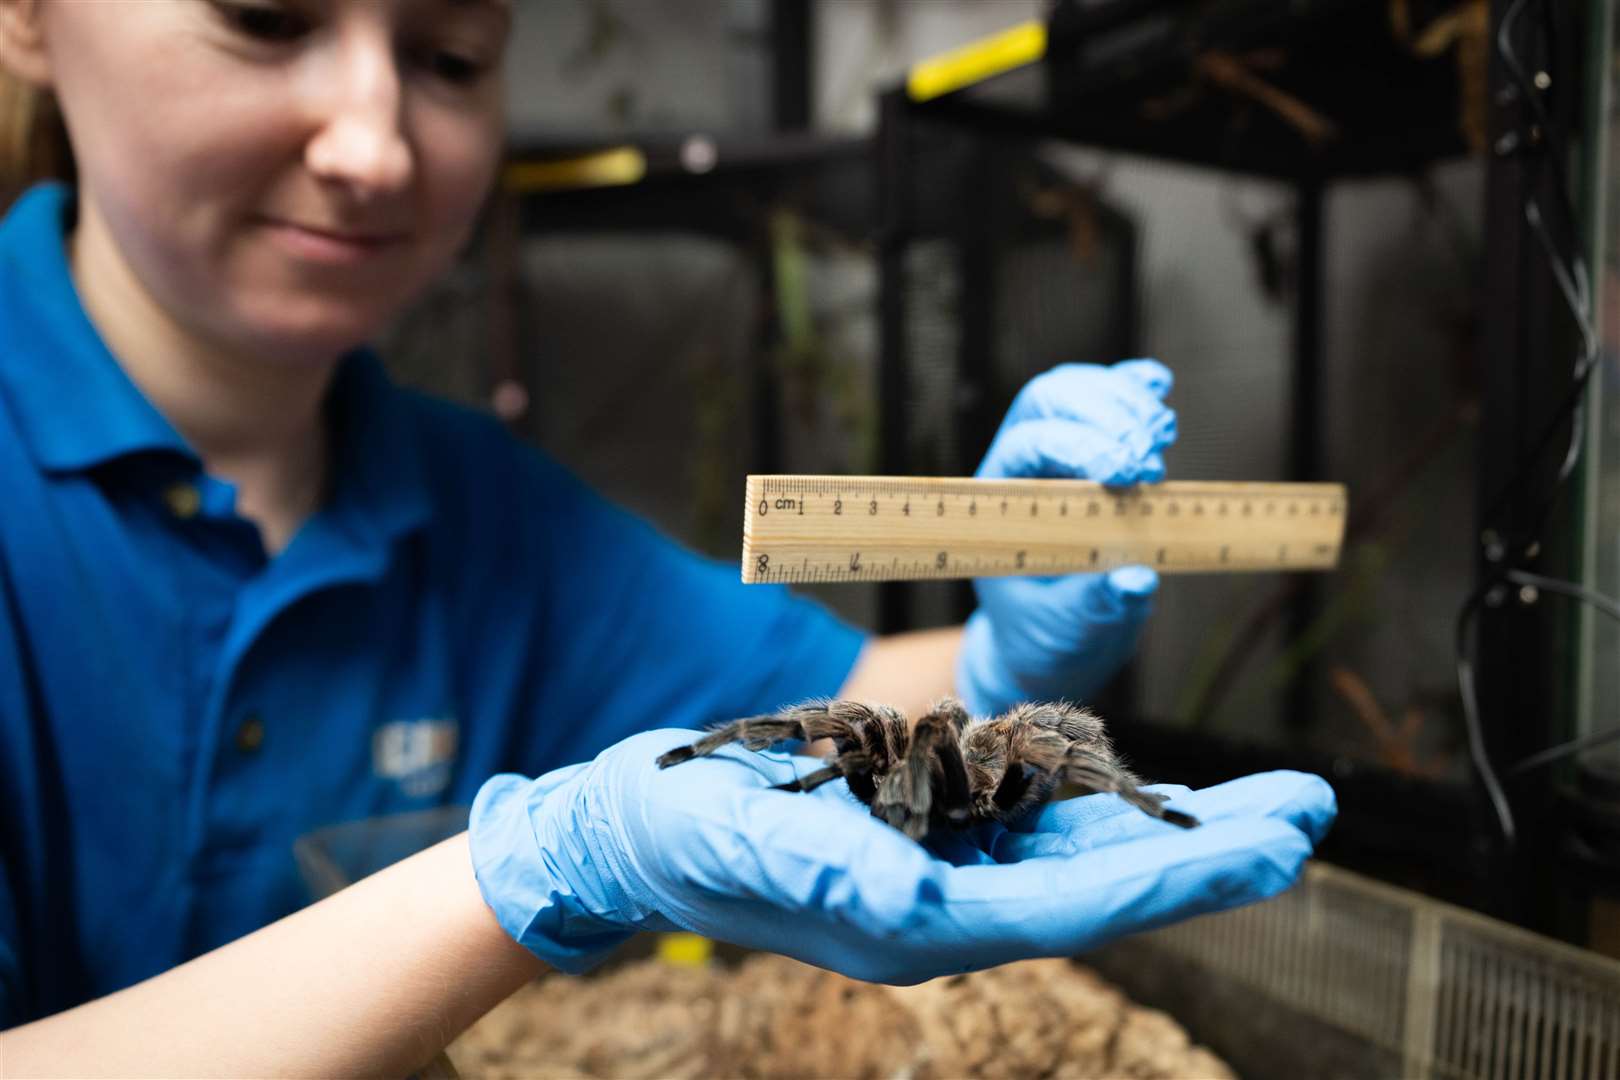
265 23
450 66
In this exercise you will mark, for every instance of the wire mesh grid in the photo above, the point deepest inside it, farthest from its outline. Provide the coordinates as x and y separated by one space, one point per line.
1516 1012
1452 993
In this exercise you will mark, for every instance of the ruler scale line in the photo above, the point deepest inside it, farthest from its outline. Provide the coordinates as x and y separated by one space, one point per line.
832 529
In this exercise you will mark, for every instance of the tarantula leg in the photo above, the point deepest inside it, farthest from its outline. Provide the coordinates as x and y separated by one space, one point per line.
854 763
905 797
754 732
955 794
811 781
875 743
846 723
1014 784
954 714
929 780
1099 774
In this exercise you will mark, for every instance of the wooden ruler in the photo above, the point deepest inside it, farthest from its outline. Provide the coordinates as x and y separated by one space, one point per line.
887 528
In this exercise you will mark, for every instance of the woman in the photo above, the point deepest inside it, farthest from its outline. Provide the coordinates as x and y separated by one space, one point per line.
248 587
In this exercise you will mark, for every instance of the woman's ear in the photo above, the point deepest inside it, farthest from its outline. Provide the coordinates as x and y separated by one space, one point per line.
22 41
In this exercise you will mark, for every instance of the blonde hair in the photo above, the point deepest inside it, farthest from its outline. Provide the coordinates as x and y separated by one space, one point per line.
33 140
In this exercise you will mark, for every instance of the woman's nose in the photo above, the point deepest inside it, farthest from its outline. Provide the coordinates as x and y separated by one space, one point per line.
360 142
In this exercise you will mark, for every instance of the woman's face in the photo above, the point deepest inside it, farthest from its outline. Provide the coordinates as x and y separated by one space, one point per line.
282 175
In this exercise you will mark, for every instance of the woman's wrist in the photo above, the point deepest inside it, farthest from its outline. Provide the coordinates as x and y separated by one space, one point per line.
540 873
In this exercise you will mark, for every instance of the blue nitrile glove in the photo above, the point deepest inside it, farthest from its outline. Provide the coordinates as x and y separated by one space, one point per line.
1042 639
1094 822
573 862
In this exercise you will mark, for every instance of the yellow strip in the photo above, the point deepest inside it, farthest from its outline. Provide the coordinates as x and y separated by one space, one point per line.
975 62
607 168
684 950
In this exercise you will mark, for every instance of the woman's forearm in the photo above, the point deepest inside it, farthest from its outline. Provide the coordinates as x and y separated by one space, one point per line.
372 981
910 671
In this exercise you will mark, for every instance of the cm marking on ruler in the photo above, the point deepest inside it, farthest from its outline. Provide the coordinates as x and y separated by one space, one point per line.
889 528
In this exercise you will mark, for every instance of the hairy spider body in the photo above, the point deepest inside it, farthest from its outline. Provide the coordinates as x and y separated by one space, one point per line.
949 769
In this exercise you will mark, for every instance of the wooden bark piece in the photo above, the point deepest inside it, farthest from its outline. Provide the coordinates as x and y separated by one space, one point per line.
771 1017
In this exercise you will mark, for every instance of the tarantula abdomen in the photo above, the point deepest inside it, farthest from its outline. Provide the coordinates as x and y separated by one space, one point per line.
948 769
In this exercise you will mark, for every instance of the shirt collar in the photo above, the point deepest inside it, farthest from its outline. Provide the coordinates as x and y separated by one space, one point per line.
74 405
77 409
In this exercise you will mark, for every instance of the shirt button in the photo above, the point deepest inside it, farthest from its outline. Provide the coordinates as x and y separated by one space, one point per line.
250 736
184 500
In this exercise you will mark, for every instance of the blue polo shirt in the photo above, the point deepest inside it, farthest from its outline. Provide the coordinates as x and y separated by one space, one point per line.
176 708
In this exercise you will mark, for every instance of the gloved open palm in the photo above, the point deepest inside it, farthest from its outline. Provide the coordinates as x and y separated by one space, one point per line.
575 861
1063 637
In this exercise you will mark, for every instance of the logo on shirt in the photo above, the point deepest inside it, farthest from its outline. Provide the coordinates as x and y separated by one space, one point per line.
417 754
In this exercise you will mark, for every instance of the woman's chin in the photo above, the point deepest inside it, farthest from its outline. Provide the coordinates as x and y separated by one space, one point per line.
314 331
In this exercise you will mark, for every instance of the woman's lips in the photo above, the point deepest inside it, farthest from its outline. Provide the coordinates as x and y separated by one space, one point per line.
322 245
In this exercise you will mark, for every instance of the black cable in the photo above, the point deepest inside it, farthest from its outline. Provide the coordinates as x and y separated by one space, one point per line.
1470 700
1564 750
1572 280
1470 704
1531 94
1609 607
1573 283
1605 604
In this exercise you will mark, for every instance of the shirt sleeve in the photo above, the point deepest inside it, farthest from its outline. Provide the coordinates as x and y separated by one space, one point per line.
643 633
14 705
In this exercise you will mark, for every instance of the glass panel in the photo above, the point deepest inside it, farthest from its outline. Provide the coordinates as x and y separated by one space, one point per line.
1400 383
1600 683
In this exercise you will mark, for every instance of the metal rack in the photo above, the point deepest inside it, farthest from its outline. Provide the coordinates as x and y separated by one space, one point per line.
721 187
1306 92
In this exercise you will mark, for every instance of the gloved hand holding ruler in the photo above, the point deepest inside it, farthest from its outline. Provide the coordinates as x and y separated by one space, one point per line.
891 528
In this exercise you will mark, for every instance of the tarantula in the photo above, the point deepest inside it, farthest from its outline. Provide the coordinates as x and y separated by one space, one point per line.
949 769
